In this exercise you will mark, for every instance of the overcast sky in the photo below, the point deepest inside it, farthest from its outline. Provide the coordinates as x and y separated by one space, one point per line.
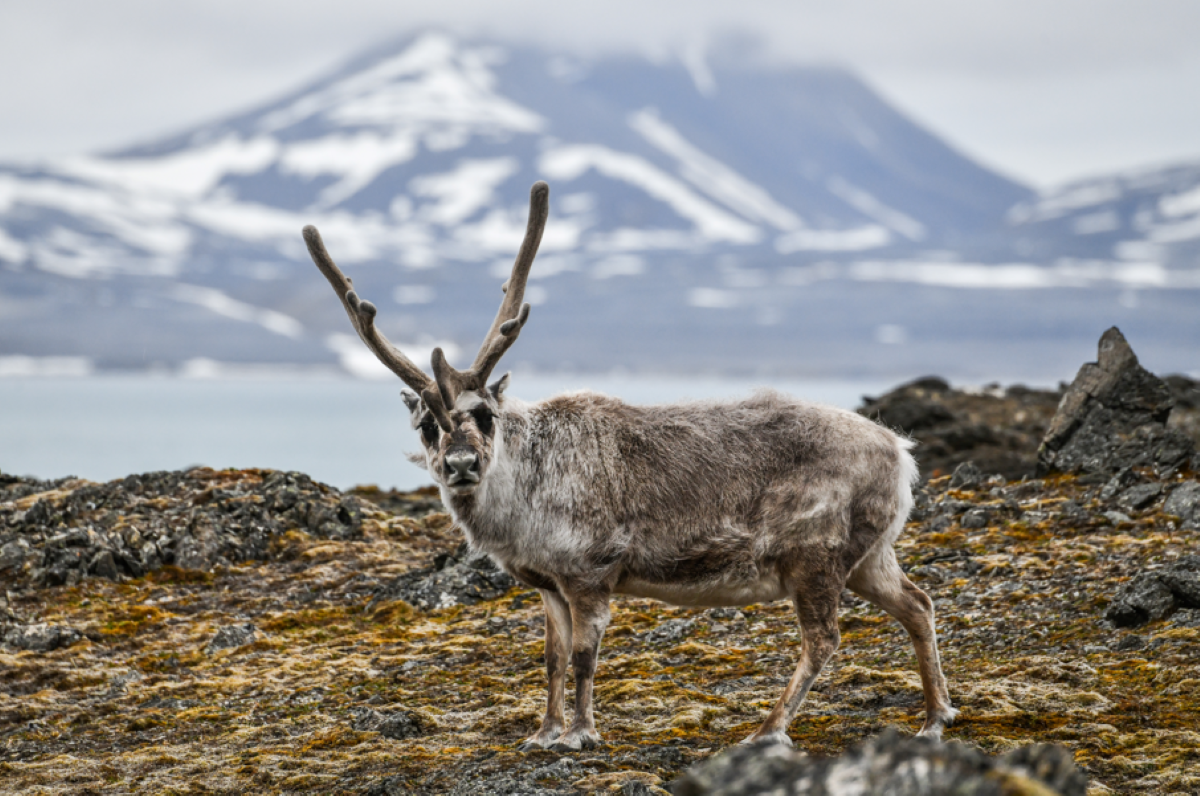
1043 90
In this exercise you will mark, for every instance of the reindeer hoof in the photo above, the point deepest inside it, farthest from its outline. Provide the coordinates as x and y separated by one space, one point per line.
778 737
576 741
933 729
542 740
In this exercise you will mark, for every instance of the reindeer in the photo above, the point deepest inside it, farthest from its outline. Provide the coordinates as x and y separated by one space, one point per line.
582 496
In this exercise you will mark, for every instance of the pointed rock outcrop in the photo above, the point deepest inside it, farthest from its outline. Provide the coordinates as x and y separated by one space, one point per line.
1112 417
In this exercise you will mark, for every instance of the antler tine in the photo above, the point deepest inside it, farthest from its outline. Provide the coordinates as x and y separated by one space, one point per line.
362 316
511 316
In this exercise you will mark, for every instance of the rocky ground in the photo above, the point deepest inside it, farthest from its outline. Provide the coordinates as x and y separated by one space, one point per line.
253 631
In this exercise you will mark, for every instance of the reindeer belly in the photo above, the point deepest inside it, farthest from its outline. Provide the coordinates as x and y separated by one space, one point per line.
706 595
737 584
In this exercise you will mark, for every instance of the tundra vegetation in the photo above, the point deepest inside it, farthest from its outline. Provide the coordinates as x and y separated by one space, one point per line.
283 657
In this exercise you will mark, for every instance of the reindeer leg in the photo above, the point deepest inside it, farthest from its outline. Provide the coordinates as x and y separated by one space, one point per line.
817 612
881 581
589 618
558 643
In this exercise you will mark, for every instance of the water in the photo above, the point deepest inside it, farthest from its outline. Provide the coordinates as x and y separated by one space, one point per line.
340 431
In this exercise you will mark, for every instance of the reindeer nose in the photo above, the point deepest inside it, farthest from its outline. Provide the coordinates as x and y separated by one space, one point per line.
462 465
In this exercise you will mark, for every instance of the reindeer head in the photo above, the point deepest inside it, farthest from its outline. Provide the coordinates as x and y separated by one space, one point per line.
455 411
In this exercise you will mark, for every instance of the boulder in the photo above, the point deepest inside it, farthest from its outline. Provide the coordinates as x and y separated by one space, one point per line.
889 763
1113 416
1156 595
41 637
233 636
397 724
465 577
1184 503
966 476
997 429
197 519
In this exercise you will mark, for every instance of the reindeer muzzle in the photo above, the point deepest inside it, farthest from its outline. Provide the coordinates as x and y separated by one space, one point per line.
461 467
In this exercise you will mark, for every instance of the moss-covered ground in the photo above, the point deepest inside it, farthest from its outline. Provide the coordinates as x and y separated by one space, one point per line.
139 706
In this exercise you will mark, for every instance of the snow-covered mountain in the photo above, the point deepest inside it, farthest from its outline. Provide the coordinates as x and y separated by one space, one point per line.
1150 217
703 216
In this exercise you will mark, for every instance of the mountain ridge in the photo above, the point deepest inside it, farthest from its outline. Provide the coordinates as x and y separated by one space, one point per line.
745 202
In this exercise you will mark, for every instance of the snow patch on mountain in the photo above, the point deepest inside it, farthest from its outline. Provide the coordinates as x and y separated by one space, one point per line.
463 192
356 160
568 163
357 360
1022 276
448 89
871 236
221 304
712 176
869 206
188 174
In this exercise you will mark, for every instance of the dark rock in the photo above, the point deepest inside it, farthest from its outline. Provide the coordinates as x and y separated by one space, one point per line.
523 779
73 537
41 637
168 703
465 577
232 637
117 685
1184 391
670 631
635 788
1113 416
889 764
998 430
40 514
1156 595
966 476
1123 479
739 684
1071 512
1184 503
910 415
421 503
907 407
396 724
196 519
1131 642
15 555
1186 617
103 565
1138 497
129 562
1183 579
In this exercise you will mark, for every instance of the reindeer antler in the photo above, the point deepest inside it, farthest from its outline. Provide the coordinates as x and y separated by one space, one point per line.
440 392
362 316
511 316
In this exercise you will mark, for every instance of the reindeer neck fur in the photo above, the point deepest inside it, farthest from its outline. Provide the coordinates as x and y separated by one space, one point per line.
492 515
550 469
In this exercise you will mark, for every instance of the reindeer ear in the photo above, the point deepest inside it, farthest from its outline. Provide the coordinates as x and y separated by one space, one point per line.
499 386
410 400
418 459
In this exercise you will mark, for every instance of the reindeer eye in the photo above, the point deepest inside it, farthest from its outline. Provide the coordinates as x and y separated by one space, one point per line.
429 430
483 419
